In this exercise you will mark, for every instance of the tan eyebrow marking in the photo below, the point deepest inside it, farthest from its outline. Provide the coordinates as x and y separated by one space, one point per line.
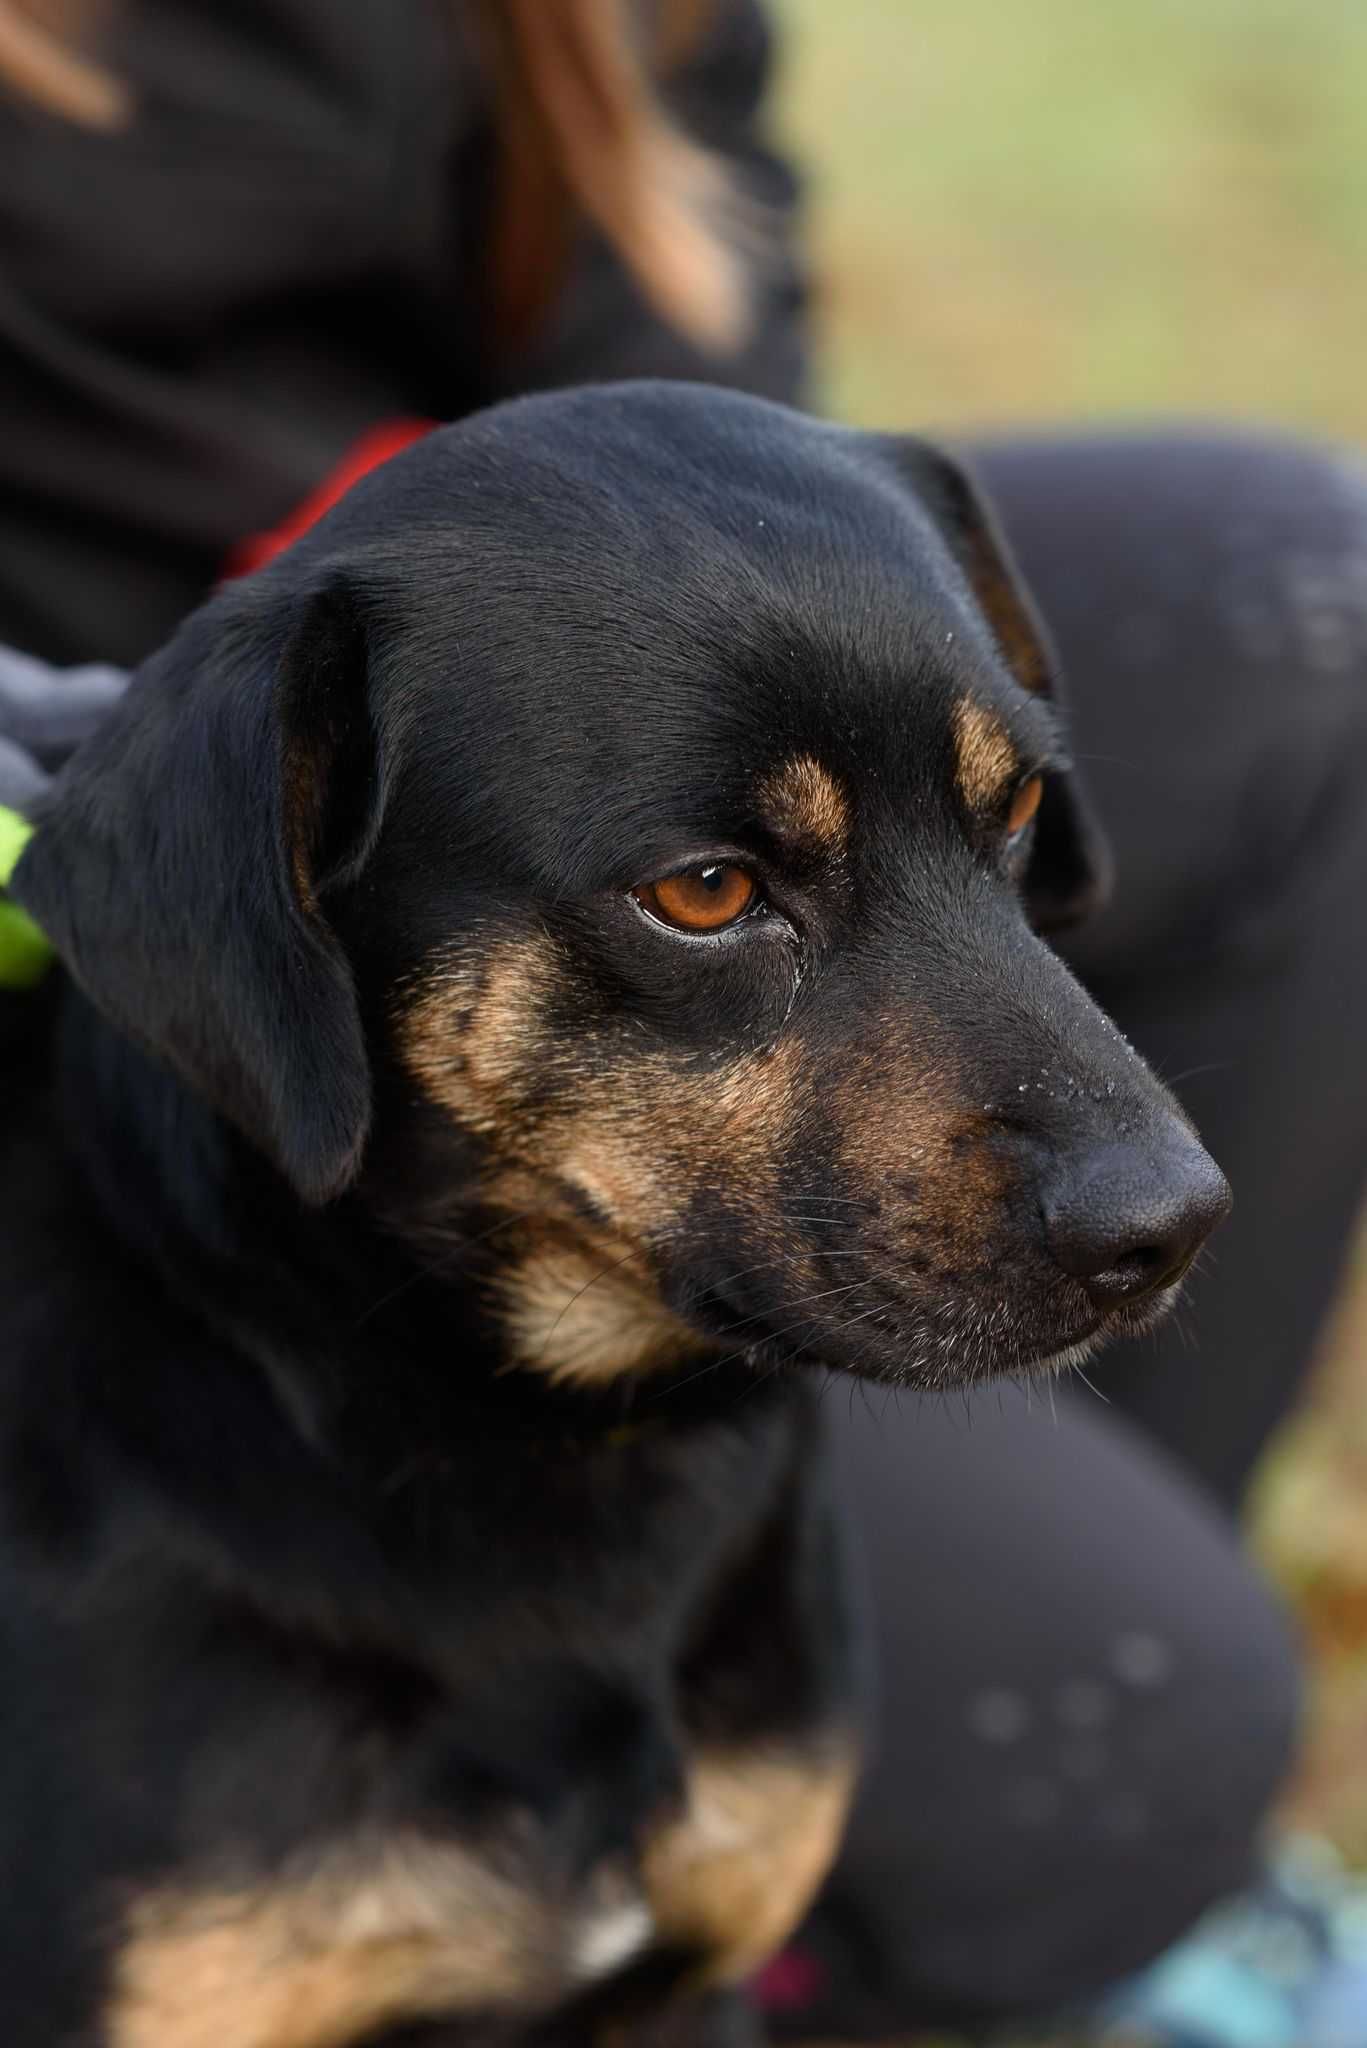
986 763
803 801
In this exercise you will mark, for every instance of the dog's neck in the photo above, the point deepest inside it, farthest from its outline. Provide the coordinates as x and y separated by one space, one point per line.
406 1438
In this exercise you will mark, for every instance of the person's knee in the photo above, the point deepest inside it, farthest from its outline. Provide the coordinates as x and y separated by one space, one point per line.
1218 659
1094 1837
1172 1822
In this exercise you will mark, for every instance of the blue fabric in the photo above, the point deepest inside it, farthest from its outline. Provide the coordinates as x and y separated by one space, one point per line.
1284 1966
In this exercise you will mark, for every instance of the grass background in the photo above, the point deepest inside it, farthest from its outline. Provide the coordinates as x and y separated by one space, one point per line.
1076 208
1083 209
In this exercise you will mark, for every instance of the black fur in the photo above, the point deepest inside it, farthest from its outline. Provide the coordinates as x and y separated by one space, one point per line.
290 1554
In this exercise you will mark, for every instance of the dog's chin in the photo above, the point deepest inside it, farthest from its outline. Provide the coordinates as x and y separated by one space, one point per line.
1138 1318
955 1341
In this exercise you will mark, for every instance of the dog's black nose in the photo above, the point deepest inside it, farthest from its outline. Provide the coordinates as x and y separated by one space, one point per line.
1126 1222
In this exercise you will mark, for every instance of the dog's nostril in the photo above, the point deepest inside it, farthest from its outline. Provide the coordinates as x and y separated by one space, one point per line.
1134 1273
1126 1223
1146 1262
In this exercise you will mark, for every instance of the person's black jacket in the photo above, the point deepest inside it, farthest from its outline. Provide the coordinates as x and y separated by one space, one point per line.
201 314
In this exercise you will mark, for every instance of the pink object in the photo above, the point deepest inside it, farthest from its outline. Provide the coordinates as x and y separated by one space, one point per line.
791 1980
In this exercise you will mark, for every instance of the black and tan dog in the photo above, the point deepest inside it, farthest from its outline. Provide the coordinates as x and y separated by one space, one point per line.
551 959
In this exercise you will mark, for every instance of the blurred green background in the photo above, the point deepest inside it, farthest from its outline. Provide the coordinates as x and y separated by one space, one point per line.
1078 208
1084 209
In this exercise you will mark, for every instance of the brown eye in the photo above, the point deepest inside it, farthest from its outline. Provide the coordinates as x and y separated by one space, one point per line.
700 900
1024 804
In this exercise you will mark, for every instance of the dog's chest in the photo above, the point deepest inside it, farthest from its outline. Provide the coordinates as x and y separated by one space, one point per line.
376 1934
359 1938
717 1847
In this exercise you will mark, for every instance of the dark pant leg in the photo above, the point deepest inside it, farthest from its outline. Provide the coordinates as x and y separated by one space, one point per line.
1209 598
1086 1696
1085 1701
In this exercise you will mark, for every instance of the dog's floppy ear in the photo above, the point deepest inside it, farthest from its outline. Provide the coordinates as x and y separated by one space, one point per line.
179 861
1070 864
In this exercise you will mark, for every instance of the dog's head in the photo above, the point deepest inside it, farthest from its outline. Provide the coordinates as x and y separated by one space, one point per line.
628 821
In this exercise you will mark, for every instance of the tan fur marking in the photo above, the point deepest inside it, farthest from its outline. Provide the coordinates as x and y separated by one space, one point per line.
586 1312
635 1133
903 1119
328 1957
802 801
986 764
735 1874
472 1036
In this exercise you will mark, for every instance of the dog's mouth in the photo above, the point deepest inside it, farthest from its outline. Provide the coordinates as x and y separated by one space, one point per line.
943 1338
903 1302
1109 1327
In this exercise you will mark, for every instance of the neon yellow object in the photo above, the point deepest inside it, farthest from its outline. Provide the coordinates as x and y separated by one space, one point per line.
25 954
